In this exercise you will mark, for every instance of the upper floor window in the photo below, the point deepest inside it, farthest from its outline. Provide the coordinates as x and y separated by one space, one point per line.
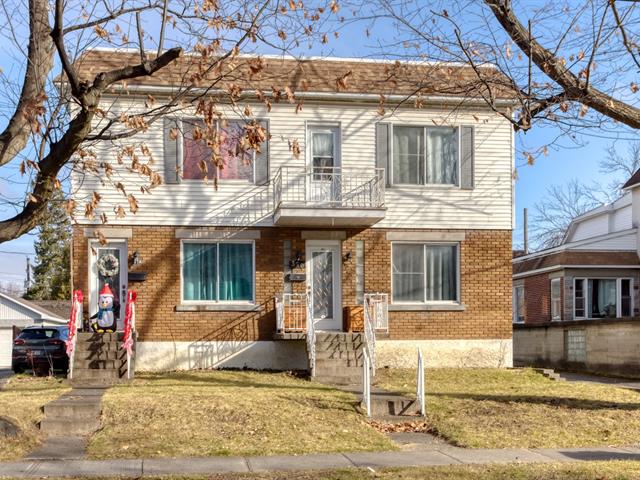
424 272
219 152
602 298
518 304
424 156
199 152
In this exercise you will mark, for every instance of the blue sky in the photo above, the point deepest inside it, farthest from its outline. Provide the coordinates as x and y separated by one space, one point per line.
558 167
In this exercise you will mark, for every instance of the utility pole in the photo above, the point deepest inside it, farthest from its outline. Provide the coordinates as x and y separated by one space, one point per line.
27 282
525 222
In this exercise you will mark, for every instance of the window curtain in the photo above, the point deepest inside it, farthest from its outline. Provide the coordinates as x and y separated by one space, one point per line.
199 271
195 153
408 155
442 163
603 298
322 150
408 273
441 277
237 160
236 272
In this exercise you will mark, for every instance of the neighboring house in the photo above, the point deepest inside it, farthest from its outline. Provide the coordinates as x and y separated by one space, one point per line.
416 205
17 313
576 305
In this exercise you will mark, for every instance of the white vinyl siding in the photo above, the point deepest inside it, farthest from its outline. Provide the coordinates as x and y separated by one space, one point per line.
487 206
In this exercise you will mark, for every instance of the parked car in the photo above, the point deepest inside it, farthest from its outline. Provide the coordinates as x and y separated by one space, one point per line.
41 349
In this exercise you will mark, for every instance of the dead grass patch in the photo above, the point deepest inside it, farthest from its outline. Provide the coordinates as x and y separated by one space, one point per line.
210 413
21 402
498 408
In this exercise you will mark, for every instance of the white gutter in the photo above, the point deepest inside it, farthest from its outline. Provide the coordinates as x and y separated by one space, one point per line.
530 273
340 96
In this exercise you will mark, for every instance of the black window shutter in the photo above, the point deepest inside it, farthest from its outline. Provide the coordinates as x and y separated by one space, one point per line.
262 159
382 148
171 152
467 155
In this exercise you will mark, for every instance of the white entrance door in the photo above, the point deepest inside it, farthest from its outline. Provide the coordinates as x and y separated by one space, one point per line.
115 274
323 274
324 158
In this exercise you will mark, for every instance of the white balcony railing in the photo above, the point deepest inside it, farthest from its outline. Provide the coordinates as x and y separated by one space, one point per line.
329 187
292 312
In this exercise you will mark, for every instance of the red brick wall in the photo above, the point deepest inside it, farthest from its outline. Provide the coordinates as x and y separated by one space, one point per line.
485 287
537 298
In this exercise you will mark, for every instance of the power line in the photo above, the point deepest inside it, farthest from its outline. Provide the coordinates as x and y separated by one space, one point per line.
17 253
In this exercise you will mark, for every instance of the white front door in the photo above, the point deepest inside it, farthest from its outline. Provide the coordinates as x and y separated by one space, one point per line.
324 164
115 274
323 282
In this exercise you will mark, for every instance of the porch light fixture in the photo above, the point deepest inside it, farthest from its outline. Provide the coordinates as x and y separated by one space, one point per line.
346 257
297 262
136 259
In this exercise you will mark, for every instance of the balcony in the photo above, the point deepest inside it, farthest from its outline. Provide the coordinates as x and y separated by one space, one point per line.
328 197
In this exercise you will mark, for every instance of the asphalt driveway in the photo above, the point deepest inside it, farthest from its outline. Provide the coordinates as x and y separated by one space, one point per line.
4 376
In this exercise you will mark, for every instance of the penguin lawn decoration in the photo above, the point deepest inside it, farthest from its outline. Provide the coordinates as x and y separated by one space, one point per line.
105 320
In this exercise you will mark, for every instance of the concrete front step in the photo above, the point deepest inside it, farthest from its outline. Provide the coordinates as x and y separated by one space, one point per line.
101 355
99 337
57 427
99 364
339 354
323 363
95 374
97 347
338 379
389 404
339 347
339 337
70 409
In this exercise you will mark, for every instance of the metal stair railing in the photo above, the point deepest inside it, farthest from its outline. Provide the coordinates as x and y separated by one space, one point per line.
75 323
311 339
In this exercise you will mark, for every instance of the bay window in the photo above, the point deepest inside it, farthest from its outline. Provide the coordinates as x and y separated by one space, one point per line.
424 273
602 298
424 155
556 302
217 272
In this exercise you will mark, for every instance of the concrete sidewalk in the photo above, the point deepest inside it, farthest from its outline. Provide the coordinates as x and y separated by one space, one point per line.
443 455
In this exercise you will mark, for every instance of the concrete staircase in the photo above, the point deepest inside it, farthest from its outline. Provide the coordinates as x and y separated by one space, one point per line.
339 358
76 413
99 360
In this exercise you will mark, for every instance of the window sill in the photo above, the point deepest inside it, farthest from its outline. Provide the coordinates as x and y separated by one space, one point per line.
218 308
427 307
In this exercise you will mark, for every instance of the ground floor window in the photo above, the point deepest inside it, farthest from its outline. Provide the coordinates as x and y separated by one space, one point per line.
217 272
602 297
518 304
556 303
424 272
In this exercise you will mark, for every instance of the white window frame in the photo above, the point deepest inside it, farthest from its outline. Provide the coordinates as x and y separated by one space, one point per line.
618 296
335 129
516 316
420 185
219 180
424 295
558 317
218 302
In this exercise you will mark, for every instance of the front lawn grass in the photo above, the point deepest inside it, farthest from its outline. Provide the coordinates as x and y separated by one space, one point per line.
498 408
209 413
21 402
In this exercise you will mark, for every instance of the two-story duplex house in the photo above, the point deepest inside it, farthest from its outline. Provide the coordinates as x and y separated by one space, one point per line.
575 305
415 204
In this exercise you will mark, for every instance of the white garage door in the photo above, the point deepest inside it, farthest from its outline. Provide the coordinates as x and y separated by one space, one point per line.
6 344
